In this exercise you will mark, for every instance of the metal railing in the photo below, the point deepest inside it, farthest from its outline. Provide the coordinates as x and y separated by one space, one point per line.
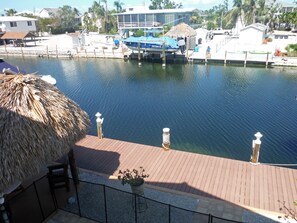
98 202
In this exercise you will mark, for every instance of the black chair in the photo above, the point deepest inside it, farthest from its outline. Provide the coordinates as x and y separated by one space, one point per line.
58 176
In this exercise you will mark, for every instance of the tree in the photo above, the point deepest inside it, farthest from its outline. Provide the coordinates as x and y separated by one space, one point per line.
118 4
196 18
65 19
10 12
164 4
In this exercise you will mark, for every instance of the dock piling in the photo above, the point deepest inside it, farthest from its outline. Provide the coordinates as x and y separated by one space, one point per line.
166 139
256 149
163 55
99 122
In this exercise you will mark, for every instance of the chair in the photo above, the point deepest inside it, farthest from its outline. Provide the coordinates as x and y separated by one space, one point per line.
58 176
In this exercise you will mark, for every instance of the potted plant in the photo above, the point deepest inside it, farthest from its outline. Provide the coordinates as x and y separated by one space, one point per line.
135 178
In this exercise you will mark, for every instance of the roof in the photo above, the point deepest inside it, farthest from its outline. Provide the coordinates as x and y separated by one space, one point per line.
15 18
181 30
157 11
257 26
17 35
48 125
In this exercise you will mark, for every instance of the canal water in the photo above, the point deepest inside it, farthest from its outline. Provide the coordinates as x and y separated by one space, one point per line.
213 110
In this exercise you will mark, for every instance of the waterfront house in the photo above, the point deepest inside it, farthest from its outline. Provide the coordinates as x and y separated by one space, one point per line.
68 40
17 24
253 34
134 19
48 12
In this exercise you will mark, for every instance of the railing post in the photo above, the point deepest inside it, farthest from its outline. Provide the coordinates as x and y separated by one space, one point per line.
169 214
4 215
38 199
209 218
76 192
135 207
105 205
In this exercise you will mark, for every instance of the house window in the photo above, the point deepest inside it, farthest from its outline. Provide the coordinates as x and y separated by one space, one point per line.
29 23
13 24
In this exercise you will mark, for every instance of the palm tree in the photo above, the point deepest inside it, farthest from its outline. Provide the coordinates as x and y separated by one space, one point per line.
118 4
235 14
250 11
10 12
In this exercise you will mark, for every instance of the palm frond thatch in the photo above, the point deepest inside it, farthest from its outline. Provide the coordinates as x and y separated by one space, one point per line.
38 124
181 30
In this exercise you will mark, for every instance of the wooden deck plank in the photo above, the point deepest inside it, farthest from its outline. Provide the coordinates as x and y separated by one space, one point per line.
225 182
231 180
218 178
194 172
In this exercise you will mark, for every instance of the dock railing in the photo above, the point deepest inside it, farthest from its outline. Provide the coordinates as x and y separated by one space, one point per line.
96 202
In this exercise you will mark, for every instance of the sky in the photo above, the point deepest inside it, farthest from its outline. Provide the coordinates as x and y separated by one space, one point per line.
83 5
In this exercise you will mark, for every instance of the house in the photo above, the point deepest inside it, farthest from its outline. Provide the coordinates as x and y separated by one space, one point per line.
17 24
253 34
134 19
48 12
201 35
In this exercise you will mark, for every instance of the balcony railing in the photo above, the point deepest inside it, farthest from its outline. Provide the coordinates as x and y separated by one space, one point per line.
139 24
97 202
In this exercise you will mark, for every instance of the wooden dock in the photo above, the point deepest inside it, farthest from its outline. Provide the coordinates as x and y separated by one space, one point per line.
238 182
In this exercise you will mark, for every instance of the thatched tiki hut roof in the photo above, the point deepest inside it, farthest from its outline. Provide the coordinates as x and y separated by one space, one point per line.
38 124
181 30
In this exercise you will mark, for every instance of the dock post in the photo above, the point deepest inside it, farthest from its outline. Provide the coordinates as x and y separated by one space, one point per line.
47 51
245 58
57 51
86 53
94 52
166 139
256 149
267 59
139 57
163 55
99 122
225 61
5 48
22 51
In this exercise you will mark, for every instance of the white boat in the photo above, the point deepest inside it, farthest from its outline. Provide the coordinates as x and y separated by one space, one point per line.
49 79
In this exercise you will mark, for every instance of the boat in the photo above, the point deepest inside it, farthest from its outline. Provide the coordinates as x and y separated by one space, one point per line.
152 44
9 69
49 79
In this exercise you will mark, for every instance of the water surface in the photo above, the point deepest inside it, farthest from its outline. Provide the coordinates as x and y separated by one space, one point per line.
212 110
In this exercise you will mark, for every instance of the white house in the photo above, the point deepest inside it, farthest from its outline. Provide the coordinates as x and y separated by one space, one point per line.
253 34
201 35
68 41
17 24
48 12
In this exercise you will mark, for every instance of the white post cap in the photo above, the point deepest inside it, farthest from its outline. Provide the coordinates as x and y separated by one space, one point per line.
166 130
258 136
98 115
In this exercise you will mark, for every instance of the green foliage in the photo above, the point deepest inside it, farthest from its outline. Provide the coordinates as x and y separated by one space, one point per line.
292 50
10 12
65 20
164 4
210 25
132 177
139 33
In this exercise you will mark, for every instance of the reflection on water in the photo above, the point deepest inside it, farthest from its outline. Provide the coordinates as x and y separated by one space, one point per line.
210 109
